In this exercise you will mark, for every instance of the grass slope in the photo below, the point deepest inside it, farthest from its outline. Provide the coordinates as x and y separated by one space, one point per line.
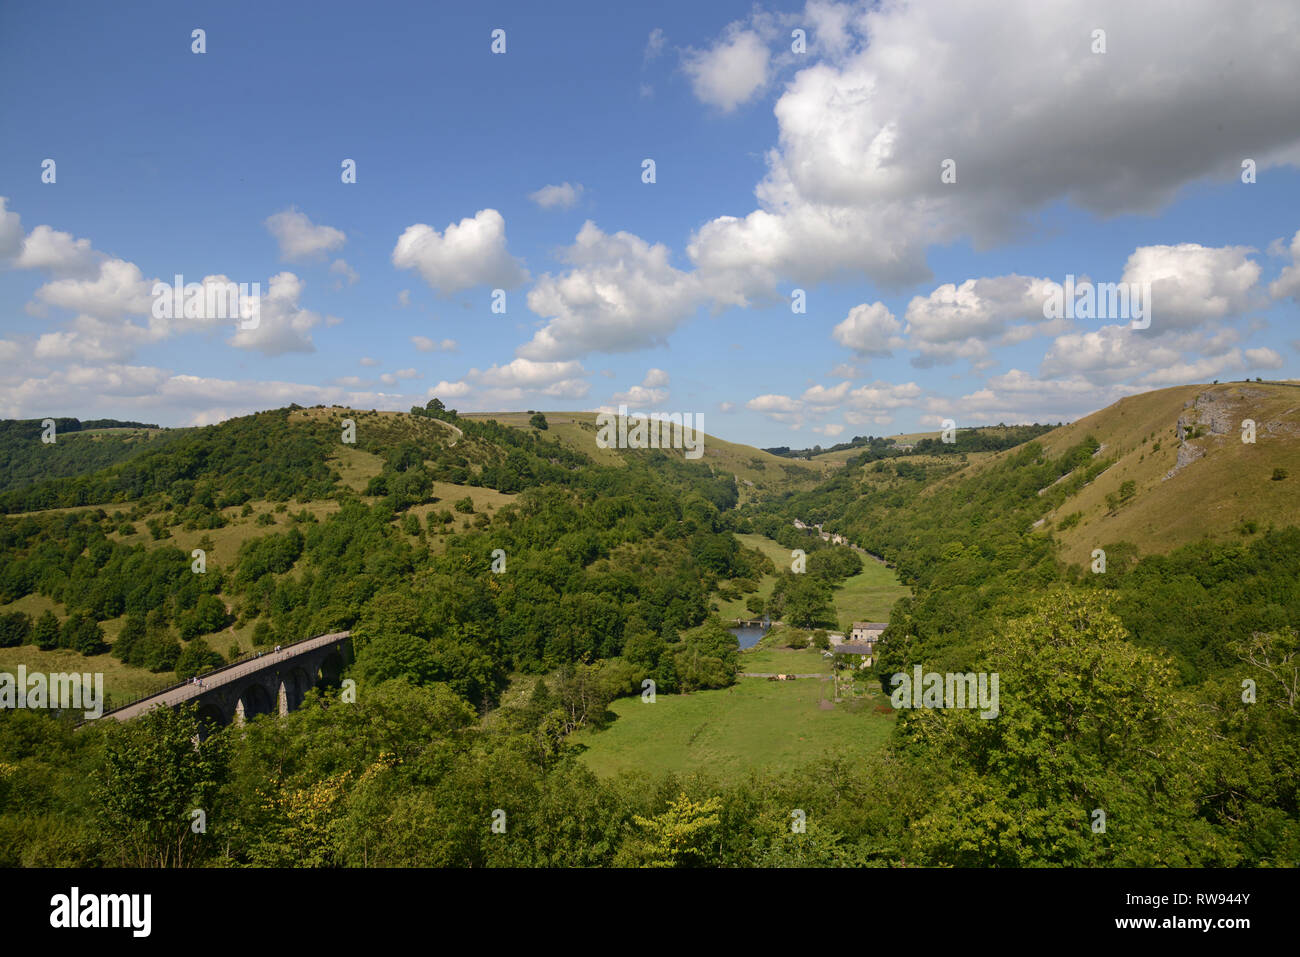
1210 497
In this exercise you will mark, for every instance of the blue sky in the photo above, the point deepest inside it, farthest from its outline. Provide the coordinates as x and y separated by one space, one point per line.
776 170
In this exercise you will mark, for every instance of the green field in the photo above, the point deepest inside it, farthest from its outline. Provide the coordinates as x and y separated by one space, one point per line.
867 596
754 724
763 658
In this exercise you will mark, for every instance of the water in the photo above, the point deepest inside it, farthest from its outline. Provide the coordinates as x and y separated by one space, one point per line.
748 635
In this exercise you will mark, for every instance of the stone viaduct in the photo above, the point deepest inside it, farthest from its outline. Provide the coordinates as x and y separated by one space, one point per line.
275 681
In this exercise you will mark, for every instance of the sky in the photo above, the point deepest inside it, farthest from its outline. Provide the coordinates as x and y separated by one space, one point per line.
856 215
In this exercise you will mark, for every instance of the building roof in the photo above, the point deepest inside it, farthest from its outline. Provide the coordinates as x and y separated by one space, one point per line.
870 625
852 648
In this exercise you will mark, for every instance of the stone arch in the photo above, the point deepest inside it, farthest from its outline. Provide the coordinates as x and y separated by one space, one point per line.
253 700
331 669
295 682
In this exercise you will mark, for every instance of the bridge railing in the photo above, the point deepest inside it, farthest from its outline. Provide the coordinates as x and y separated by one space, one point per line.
242 659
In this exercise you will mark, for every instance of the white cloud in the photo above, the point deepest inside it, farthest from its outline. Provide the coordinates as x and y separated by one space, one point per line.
300 238
118 290
404 298
621 295
652 390
451 390
1192 284
958 322
875 402
854 183
471 253
731 72
284 325
58 253
1288 283
564 196
1263 358
368 361
517 379
870 330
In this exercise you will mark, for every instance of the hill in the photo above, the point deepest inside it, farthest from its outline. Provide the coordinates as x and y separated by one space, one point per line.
1192 476
755 470
77 448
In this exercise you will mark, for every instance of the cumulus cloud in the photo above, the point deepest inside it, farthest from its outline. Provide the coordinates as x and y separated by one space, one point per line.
518 379
1288 283
469 253
451 390
1193 284
870 330
854 184
1263 358
300 238
564 196
58 253
622 294
876 402
118 289
284 325
652 390
958 322
731 72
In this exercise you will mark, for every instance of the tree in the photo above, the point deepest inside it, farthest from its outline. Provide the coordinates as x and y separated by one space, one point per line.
15 627
1085 721
157 770
679 837
129 638
196 659
538 421
435 405
82 633
45 634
